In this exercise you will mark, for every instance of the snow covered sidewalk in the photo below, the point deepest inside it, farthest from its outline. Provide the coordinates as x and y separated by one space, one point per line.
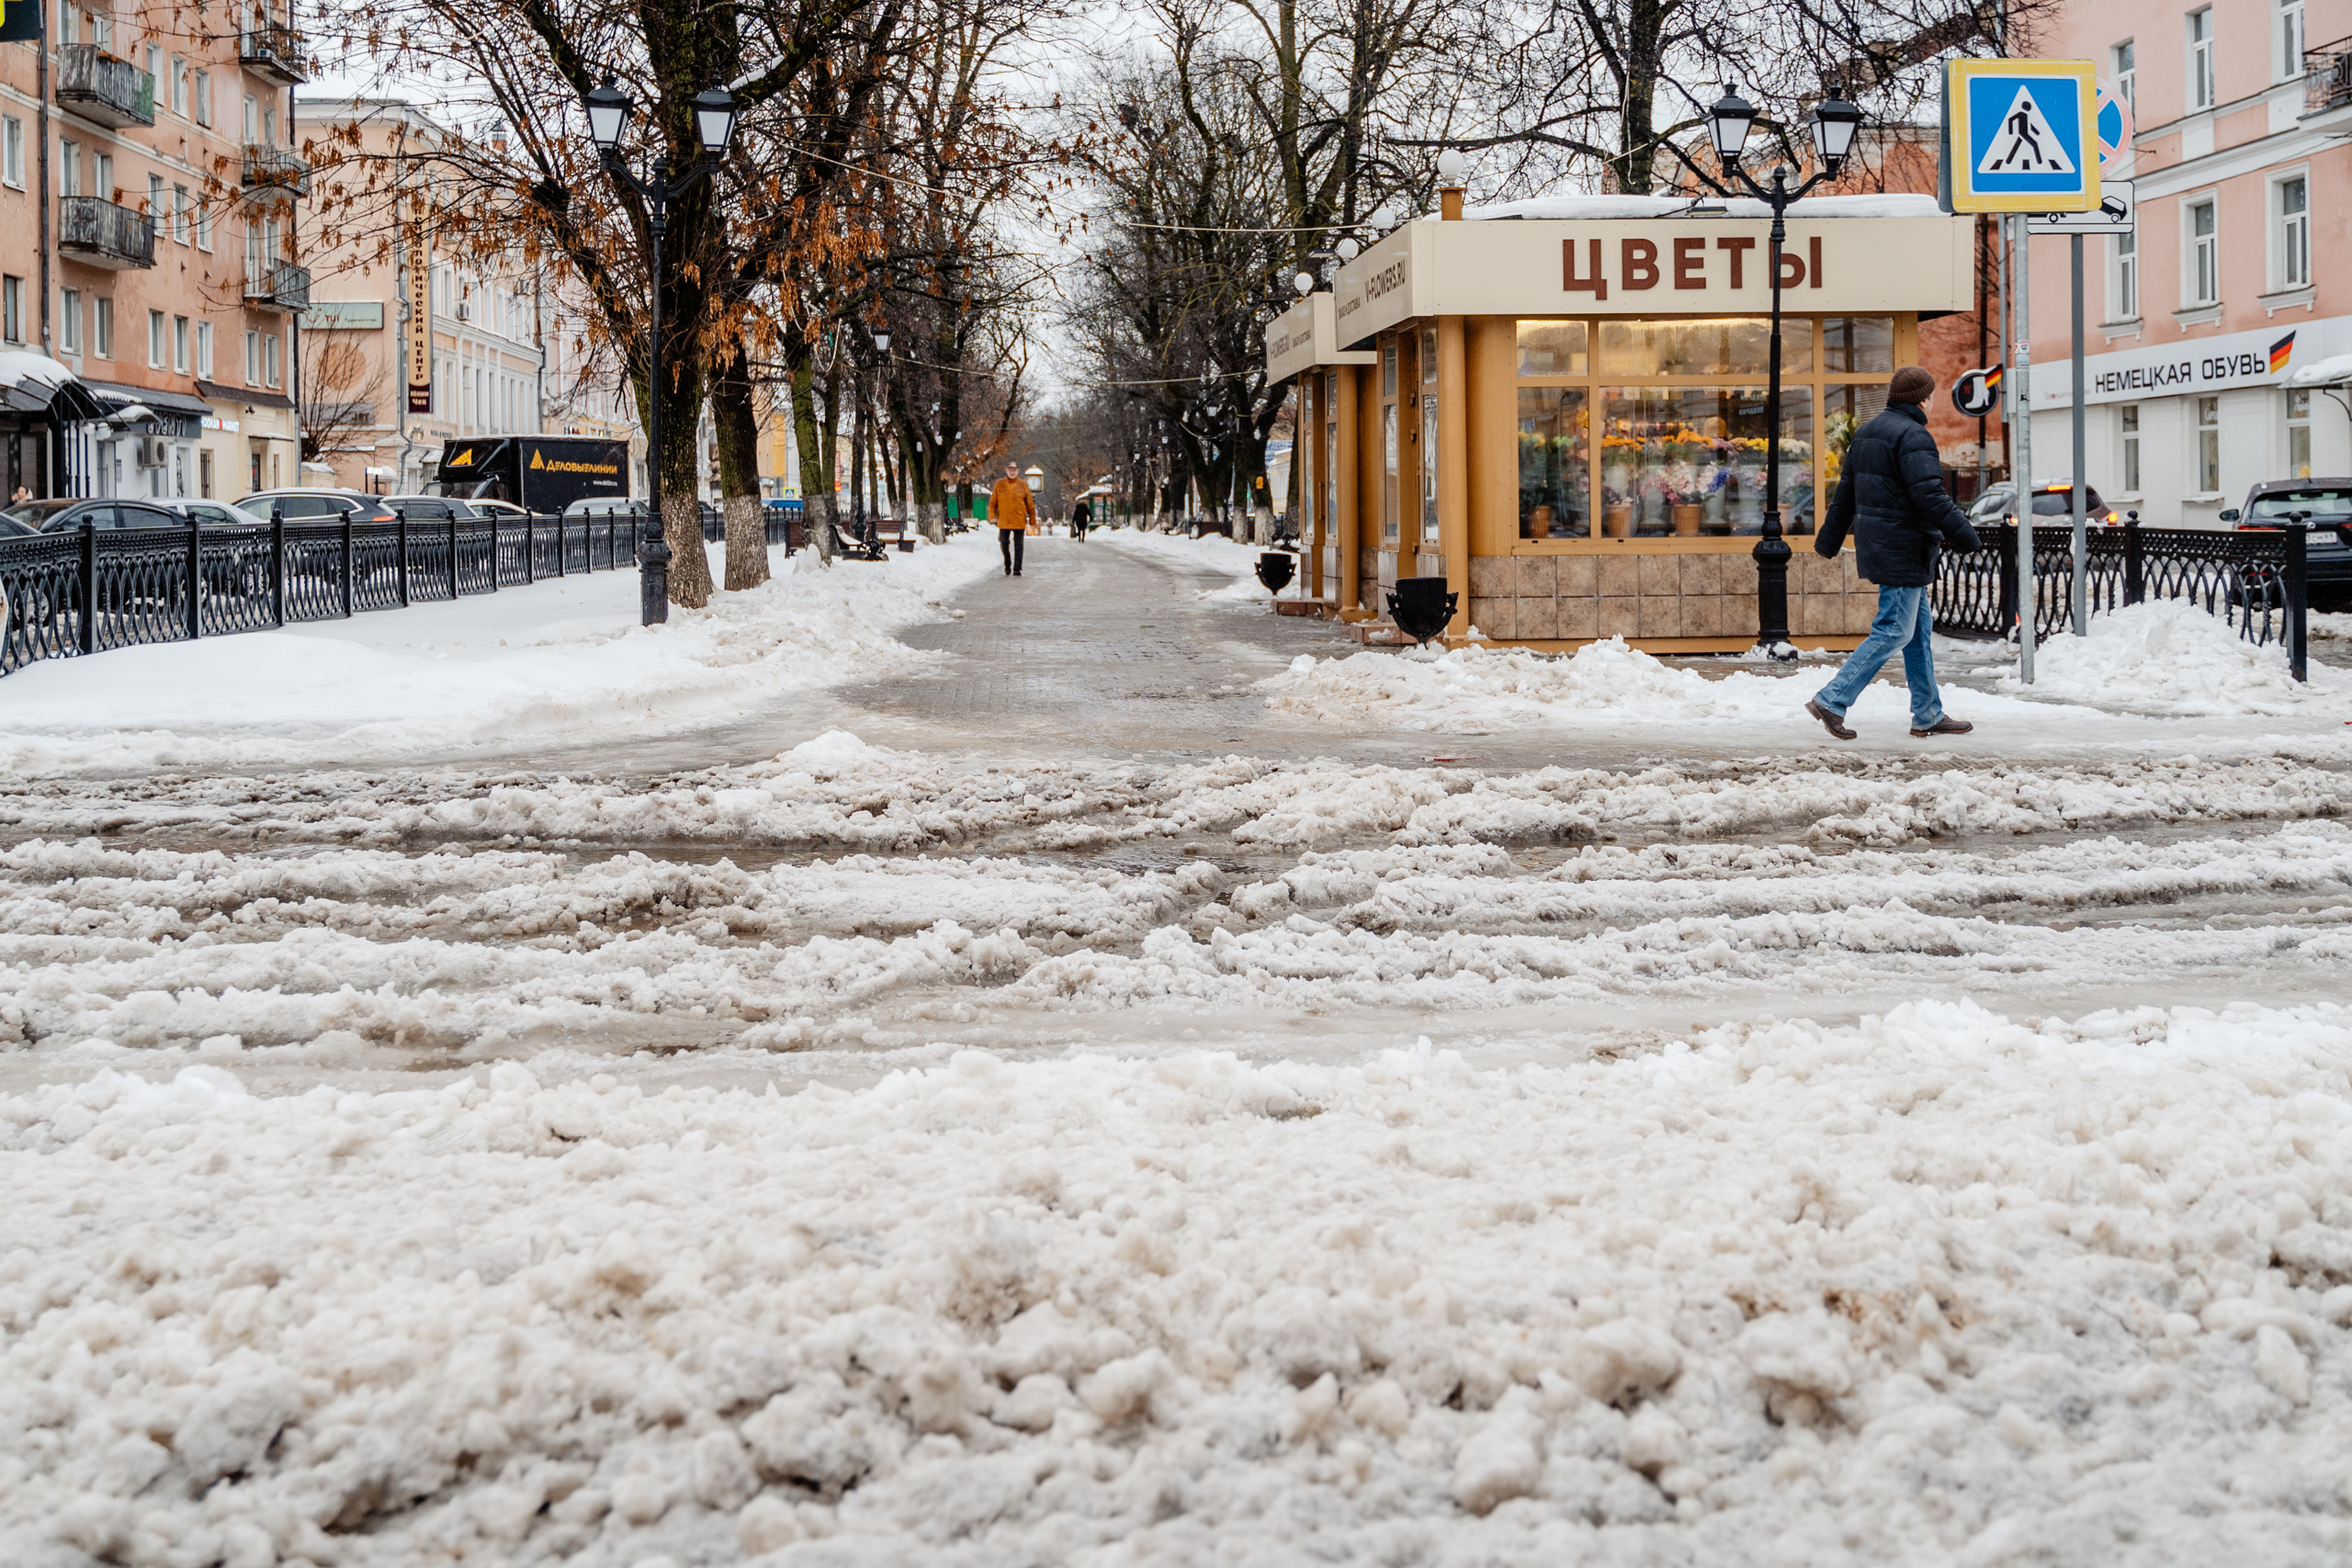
1944 1288
562 661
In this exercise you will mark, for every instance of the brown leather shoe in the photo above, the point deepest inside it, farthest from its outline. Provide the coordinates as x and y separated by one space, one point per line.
1945 726
1834 723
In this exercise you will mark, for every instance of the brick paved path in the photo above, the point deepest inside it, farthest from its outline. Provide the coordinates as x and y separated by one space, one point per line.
1098 647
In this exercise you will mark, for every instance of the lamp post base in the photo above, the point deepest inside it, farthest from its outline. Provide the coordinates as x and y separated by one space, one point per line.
653 584
1772 556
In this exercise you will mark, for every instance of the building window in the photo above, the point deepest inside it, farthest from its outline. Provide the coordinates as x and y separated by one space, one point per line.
156 68
179 344
2200 59
69 321
2290 39
155 339
155 218
2130 417
269 358
204 351
2203 272
69 15
204 473
2209 445
69 168
251 121
2299 432
102 186
102 29
203 225
102 341
2125 63
2294 231
12 151
12 309
253 359
2124 298
202 92
180 213
180 86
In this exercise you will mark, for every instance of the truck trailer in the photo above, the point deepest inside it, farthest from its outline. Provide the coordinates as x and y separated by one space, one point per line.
539 473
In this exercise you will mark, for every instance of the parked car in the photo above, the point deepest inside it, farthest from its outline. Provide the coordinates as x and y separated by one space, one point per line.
64 515
2052 498
213 513
300 505
2326 505
501 510
432 508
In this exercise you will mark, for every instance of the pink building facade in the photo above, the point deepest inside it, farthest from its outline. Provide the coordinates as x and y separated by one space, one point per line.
2240 161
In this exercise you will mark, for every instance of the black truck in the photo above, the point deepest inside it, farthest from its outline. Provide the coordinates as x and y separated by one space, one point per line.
539 473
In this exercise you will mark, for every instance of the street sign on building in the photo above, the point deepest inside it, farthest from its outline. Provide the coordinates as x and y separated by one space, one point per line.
2020 136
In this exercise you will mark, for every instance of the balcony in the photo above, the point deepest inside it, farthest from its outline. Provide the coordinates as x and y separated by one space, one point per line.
270 51
281 287
93 229
97 85
275 169
2327 76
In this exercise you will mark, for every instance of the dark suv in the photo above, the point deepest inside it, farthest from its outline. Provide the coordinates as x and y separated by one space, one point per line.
2326 505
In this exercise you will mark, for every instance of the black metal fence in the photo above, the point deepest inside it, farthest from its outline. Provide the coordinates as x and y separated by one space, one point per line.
91 590
2243 577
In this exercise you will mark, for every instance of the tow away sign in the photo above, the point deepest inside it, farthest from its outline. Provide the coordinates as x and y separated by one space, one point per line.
2020 136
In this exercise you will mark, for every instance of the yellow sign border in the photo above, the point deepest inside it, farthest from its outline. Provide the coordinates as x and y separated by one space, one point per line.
1964 196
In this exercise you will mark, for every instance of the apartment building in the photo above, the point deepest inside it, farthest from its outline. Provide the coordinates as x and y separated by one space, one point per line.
506 354
2200 318
147 246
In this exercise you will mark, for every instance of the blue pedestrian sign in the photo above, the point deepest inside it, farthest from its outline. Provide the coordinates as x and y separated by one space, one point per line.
2020 136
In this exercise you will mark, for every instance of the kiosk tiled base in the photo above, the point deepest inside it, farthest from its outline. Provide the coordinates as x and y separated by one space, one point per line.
1564 414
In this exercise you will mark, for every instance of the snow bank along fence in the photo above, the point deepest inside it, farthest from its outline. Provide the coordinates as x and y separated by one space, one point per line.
91 590
2253 580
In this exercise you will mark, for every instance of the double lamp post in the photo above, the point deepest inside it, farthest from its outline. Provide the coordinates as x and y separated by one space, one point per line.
1834 123
609 111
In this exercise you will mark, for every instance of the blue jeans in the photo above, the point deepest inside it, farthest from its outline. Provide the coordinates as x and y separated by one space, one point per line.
1904 622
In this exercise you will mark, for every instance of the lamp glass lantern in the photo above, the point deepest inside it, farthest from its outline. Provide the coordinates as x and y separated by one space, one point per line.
1728 122
882 342
715 115
1835 121
608 114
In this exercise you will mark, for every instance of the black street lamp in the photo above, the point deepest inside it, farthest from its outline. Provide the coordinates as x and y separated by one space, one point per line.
1729 121
609 110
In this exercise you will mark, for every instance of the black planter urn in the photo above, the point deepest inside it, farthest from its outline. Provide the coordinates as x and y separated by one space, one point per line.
1421 606
1274 570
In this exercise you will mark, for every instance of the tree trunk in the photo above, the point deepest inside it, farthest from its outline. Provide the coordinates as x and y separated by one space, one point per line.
689 561
739 471
816 467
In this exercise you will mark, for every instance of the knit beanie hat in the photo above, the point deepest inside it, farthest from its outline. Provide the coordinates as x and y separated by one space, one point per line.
1911 385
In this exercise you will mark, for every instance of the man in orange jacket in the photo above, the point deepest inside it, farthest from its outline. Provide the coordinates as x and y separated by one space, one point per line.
1014 511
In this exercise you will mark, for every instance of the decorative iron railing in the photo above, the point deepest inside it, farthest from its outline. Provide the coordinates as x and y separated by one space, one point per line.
2327 76
89 590
275 50
2250 579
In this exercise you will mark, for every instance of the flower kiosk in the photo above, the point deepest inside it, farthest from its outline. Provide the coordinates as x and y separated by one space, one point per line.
1559 406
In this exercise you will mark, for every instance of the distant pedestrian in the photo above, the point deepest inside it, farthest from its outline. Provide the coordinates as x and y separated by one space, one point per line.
1014 511
1082 518
1891 497
22 496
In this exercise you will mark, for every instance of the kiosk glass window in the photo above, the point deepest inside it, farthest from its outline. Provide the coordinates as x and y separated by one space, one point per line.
1302 456
1719 345
1845 410
2209 445
1428 436
1555 463
1692 460
1331 449
2129 418
1553 348
1856 345
2299 432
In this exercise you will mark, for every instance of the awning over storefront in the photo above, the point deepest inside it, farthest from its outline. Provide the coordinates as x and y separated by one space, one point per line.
251 397
177 414
32 383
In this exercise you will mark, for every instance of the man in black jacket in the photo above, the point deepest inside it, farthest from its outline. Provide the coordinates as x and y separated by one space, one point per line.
1891 497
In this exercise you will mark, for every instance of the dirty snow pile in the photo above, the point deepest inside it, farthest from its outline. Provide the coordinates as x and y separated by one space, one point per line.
1941 1287
2167 656
565 659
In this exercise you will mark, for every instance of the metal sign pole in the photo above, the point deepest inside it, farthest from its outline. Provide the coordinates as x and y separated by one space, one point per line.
2081 524
2021 470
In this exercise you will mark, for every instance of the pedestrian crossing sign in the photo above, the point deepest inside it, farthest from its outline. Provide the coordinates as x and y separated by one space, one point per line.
2020 136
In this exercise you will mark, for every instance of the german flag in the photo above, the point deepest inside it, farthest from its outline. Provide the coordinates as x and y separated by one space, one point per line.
2279 351
1993 382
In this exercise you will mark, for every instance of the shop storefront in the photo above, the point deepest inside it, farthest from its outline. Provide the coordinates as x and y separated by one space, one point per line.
1566 416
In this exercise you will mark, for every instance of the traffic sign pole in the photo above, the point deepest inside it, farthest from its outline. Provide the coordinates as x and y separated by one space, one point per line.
2081 524
2021 470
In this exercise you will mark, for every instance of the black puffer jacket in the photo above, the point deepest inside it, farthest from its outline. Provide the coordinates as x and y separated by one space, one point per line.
1890 497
